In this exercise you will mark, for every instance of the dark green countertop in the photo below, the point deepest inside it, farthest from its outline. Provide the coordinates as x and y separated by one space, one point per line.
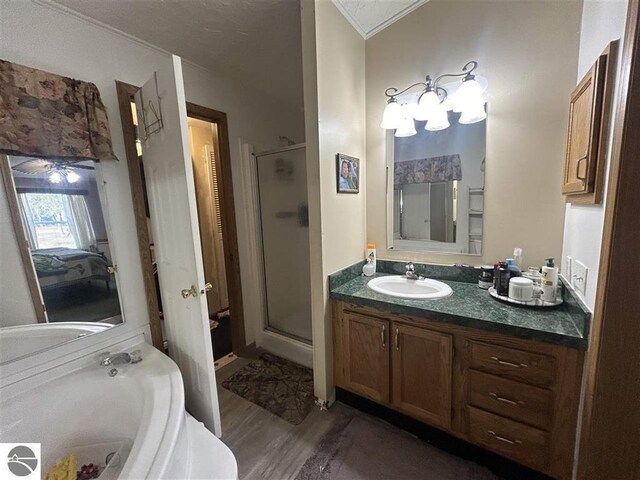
470 306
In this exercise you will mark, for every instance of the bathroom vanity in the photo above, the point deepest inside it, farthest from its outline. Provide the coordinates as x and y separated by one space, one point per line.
501 377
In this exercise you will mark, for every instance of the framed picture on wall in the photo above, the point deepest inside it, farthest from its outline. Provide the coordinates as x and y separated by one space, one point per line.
347 173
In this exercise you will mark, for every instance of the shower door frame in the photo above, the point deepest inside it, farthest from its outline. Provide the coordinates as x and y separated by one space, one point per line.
265 323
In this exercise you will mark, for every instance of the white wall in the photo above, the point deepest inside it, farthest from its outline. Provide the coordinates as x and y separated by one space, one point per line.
333 62
48 38
602 21
528 51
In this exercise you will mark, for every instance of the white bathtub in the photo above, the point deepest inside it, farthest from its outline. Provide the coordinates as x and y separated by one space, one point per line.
17 342
141 408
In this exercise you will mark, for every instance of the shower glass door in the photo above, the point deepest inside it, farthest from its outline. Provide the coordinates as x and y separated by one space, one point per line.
284 216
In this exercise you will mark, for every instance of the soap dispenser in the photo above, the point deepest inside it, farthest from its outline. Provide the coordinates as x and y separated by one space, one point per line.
549 281
369 268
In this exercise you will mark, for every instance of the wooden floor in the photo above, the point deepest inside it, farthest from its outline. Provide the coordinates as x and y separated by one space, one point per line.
265 446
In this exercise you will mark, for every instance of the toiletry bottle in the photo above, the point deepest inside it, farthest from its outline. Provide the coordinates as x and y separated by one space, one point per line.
549 281
369 267
514 271
485 280
517 256
501 279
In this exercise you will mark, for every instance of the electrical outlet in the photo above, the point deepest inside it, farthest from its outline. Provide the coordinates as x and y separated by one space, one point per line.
566 268
579 273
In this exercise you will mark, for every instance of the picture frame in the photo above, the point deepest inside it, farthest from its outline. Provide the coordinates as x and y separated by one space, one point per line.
347 174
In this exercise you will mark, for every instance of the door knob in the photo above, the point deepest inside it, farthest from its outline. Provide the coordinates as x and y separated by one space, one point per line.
189 292
207 288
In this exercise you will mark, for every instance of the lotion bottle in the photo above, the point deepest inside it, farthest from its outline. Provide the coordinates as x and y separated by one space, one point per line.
549 281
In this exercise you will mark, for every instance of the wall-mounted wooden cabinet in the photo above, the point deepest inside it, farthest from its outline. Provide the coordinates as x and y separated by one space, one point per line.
589 114
518 398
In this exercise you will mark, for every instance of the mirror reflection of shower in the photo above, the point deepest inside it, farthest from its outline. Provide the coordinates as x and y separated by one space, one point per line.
284 221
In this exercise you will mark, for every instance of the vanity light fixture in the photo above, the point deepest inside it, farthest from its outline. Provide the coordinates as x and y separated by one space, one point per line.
434 103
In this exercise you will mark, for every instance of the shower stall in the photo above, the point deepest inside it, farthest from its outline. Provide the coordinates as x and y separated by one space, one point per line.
284 222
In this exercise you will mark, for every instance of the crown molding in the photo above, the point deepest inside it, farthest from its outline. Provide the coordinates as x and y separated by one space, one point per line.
367 34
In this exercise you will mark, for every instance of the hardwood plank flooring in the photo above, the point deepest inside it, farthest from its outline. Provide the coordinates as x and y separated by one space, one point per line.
266 446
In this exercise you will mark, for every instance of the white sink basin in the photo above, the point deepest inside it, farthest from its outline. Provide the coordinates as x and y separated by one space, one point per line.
399 286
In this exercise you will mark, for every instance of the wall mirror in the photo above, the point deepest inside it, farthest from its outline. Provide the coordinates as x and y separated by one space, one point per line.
435 195
58 219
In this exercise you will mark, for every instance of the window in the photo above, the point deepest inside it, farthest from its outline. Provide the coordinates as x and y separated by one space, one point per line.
57 220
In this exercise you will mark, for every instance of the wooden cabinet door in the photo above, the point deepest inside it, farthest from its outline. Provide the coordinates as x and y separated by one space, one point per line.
585 112
366 356
422 368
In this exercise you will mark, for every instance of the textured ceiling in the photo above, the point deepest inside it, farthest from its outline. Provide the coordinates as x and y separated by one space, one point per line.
255 39
369 17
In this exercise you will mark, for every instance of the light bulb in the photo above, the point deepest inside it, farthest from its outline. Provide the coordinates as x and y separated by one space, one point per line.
392 115
72 177
473 114
55 177
468 95
407 127
427 103
439 120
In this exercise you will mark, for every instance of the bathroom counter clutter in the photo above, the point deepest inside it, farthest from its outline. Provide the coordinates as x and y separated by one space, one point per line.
471 306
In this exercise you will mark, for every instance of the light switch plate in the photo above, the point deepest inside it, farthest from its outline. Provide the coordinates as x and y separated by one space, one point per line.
579 273
566 268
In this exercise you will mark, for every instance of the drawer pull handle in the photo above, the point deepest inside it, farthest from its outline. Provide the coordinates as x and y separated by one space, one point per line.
498 398
396 339
383 336
509 364
503 439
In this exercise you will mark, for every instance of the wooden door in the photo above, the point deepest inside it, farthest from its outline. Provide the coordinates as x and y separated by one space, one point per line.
585 112
422 368
174 223
366 356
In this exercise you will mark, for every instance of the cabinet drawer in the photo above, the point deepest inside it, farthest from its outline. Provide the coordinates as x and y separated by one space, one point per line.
527 367
522 443
527 404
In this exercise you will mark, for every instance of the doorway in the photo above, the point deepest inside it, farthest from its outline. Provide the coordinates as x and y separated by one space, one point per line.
205 153
209 142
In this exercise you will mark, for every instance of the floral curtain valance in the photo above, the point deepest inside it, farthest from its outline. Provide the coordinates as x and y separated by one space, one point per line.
44 115
428 170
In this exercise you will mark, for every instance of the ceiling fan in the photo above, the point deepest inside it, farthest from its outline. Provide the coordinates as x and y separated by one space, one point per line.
57 170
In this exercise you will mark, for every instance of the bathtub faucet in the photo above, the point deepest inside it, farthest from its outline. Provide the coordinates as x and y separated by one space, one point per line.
117 359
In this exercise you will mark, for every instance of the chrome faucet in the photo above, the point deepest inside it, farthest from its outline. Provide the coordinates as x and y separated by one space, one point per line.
410 272
119 359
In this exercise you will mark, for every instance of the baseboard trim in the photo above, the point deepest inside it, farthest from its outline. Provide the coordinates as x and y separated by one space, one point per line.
504 468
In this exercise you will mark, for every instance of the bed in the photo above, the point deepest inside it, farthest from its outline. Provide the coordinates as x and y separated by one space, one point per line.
61 267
